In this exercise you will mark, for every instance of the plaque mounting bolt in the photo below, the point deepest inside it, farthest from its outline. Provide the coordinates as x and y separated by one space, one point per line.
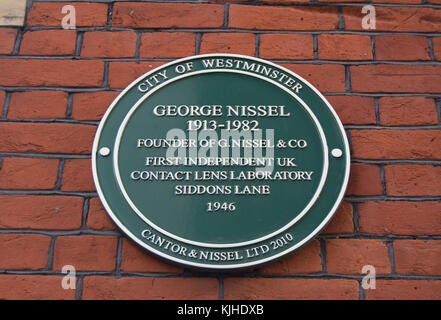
336 153
104 151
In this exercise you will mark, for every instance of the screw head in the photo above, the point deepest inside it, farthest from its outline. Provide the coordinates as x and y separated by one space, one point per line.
336 153
104 151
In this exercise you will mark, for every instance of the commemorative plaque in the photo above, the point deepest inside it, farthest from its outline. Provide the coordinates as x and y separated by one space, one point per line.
220 161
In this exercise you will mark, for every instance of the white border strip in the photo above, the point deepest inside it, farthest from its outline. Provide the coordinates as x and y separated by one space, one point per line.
226 266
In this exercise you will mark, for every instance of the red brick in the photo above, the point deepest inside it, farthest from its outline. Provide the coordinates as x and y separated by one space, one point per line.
116 44
51 73
41 212
121 74
28 173
46 137
136 259
325 77
344 47
401 47
33 287
92 105
437 47
289 289
7 40
49 14
413 180
396 19
342 222
2 100
348 256
280 1
418 257
167 44
286 46
24 251
77 175
401 111
405 290
282 18
396 78
38 104
354 109
167 15
85 252
146 288
364 180
48 43
306 260
398 1
396 144
227 42
97 217
400 217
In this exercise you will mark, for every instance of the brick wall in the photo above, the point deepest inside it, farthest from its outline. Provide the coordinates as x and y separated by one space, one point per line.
385 84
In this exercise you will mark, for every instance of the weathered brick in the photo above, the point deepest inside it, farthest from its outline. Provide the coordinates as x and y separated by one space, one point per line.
38 104
364 180
289 289
136 288
401 111
7 40
92 105
121 74
306 260
417 257
348 256
41 212
282 18
167 44
437 47
48 43
77 175
167 15
24 251
49 14
135 259
398 1
405 290
33 287
115 44
354 109
396 78
28 173
46 137
342 222
401 47
2 100
396 19
85 252
344 47
97 217
338 1
51 73
396 144
325 77
400 217
286 46
413 180
227 42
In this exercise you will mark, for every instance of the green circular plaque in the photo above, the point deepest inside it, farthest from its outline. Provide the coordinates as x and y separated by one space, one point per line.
220 161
